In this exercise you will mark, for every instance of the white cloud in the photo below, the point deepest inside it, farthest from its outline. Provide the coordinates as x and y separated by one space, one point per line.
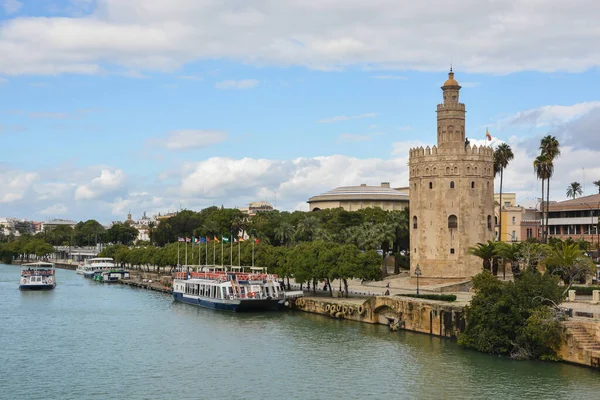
15 184
11 6
187 139
107 183
550 115
242 84
54 210
155 35
346 118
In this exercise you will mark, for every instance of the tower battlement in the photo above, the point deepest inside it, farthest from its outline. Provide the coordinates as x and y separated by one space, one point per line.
468 150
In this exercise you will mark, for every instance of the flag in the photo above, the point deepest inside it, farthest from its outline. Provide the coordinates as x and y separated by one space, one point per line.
225 239
180 239
235 240
196 240
215 239
207 239
187 240
487 135
203 240
240 239
256 241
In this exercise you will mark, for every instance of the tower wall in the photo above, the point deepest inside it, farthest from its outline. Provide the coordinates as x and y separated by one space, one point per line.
451 197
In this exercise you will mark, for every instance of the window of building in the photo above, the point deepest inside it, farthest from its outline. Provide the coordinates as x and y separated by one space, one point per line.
496 220
529 233
514 236
452 222
415 186
451 251
415 222
452 185
430 185
489 222
514 219
473 185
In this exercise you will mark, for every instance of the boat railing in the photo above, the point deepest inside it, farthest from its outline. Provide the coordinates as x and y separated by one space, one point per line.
221 276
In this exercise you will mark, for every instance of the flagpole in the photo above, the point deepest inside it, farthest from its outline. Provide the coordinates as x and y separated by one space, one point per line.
222 263
253 252
231 251
186 251
239 254
214 251
206 259
199 253
177 252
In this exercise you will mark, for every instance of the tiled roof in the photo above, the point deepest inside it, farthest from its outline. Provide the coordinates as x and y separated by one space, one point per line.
361 193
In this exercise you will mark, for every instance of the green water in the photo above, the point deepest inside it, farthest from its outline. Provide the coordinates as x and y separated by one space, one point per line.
87 340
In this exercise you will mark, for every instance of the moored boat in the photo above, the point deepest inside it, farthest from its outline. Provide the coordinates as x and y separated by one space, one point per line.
38 276
94 265
231 291
111 276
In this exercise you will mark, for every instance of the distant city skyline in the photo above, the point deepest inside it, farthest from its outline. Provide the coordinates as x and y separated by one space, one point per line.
147 105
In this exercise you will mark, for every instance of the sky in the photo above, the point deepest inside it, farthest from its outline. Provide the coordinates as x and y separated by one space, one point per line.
152 106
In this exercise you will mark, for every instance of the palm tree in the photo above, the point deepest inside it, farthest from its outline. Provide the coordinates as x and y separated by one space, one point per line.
285 232
309 226
570 263
485 251
510 252
503 155
574 190
550 147
597 183
541 166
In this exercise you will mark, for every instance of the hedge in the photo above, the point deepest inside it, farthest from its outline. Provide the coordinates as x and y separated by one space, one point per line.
440 297
584 290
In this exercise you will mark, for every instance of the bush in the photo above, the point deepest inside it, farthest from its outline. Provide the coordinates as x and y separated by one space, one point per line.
584 290
440 297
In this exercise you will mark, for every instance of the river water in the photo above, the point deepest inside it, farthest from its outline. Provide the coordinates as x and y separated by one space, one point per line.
86 340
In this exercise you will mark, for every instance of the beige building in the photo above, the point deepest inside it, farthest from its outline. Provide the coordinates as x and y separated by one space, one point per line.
451 196
518 223
352 198
256 207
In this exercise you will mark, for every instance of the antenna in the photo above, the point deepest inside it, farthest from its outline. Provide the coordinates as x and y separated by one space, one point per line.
450 64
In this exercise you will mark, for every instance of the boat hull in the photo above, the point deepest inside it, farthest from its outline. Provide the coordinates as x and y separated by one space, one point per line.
232 305
36 287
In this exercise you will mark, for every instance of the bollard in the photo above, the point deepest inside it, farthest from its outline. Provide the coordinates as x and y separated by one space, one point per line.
596 296
571 295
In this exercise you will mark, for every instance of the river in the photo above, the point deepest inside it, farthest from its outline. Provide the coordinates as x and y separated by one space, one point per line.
86 340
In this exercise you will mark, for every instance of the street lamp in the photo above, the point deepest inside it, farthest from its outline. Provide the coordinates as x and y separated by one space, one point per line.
417 274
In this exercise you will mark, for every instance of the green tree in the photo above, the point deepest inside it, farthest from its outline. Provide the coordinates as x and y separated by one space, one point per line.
284 233
510 252
308 227
597 183
503 155
574 190
544 169
570 263
550 148
485 251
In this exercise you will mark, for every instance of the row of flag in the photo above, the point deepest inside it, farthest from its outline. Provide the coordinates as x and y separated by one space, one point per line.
214 239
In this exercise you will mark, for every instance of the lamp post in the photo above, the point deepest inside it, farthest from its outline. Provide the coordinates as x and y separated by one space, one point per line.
417 274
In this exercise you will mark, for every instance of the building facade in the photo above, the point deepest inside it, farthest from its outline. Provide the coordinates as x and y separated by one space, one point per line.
451 196
576 219
518 223
353 198
256 207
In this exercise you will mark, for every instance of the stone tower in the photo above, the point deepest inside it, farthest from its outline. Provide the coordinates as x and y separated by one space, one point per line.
451 196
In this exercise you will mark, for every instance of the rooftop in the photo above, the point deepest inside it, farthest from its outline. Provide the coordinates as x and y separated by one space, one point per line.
362 192
580 203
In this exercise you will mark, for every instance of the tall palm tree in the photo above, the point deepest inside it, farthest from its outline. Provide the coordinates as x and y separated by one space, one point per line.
574 190
284 232
550 147
308 226
503 155
485 251
597 183
540 166
510 252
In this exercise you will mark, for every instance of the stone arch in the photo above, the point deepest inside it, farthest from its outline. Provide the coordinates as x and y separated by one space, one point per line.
455 170
427 171
452 221
489 222
451 184
475 170
316 209
434 170
468 169
447 170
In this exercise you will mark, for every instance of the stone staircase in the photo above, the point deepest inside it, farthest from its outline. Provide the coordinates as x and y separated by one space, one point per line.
586 343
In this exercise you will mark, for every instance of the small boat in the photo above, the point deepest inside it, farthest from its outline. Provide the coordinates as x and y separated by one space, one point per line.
93 265
38 276
231 291
111 276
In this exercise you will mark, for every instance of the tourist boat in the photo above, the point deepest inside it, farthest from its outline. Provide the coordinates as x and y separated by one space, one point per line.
111 276
38 276
93 265
231 291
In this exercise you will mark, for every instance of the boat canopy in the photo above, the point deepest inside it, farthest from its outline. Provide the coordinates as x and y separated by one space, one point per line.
38 264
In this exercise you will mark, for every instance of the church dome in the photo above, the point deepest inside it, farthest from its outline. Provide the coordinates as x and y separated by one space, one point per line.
451 81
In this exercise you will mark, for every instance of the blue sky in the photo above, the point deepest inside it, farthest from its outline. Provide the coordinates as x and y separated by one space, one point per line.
152 105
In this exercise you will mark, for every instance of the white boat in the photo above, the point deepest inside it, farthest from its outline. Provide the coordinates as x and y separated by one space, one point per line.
93 265
232 291
38 276
111 276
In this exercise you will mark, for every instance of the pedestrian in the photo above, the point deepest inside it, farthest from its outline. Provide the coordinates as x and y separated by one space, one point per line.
387 285
387 292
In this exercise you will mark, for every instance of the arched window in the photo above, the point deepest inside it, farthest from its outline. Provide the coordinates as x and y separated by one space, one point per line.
456 170
415 222
430 185
514 236
490 222
496 219
415 186
452 185
447 170
473 185
452 222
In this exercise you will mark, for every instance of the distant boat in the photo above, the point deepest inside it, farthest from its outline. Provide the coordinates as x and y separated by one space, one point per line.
231 291
38 276
111 276
93 265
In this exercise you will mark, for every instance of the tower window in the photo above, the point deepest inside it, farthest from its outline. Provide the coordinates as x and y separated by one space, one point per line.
430 185
452 251
489 221
415 186
452 222
473 185
452 185
415 222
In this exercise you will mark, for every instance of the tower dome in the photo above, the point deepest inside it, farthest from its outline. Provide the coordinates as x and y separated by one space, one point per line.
451 81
